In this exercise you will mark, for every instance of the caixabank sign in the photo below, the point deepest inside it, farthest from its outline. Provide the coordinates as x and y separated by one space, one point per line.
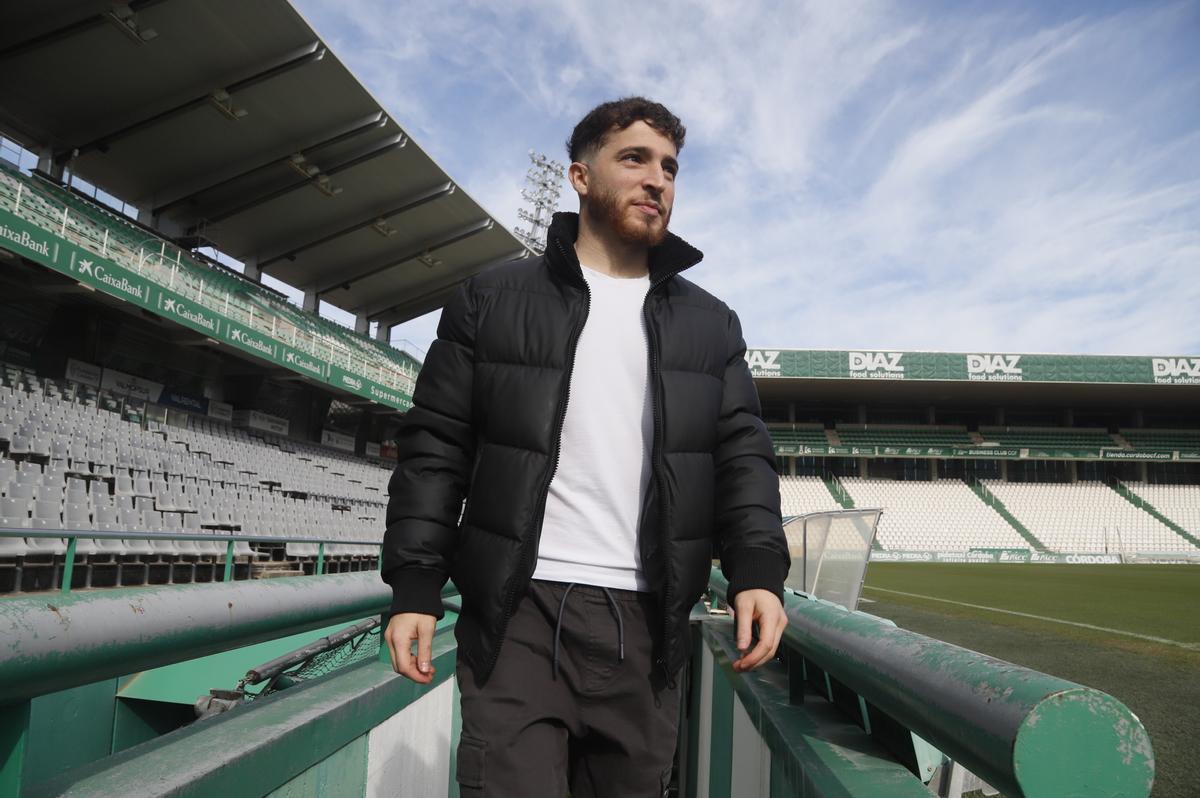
971 367
60 254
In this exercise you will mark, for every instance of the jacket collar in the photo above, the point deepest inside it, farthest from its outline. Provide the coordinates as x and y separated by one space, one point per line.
669 258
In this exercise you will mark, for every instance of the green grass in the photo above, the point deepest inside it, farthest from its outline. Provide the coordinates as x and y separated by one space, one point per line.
1136 598
1159 681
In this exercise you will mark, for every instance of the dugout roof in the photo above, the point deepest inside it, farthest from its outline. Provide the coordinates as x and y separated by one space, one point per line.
233 123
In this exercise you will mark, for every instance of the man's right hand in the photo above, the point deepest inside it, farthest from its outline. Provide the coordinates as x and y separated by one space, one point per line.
401 631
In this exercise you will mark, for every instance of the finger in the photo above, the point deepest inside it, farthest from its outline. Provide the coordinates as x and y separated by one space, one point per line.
403 649
783 622
758 655
408 663
391 646
425 648
743 621
774 633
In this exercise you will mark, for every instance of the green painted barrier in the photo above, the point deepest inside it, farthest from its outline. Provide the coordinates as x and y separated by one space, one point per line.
1029 734
55 642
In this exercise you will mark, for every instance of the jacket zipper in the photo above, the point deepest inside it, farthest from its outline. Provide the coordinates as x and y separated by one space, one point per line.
573 345
656 454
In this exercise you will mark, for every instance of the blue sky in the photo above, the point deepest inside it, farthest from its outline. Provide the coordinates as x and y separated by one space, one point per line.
1018 177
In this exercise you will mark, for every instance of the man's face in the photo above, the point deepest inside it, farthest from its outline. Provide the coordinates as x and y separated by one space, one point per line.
631 184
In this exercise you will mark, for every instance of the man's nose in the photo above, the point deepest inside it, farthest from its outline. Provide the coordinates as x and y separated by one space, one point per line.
655 180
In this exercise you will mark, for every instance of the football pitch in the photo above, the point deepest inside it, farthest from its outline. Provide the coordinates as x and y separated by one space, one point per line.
1130 630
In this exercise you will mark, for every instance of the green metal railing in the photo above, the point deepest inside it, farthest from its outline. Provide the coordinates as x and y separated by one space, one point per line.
72 537
59 212
1026 733
1029 734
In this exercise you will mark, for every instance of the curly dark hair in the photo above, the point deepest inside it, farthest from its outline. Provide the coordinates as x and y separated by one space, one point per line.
588 136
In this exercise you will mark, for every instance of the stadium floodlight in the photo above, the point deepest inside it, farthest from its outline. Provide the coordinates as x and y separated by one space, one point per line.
313 174
543 183
326 186
125 19
221 100
382 227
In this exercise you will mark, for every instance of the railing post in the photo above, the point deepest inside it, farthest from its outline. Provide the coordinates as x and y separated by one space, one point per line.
68 566
228 561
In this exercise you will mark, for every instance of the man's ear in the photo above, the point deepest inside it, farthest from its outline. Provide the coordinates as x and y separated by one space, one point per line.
578 174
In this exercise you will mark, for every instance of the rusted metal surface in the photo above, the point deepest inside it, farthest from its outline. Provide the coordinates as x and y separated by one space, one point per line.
1027 733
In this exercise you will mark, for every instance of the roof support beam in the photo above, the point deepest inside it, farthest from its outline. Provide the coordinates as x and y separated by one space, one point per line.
70 29
208 182
258 73
427 246
408 204
433 298
361 156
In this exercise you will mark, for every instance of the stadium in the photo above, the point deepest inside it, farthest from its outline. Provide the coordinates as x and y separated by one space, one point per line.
995 553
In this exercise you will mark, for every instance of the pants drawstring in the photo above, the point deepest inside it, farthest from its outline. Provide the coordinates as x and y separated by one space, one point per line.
612 603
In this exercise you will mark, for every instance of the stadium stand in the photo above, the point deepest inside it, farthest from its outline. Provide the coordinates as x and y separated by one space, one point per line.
74 459
1179 503
802 495
885 435
1075 438
799 435
1086 516
944 515
1164 440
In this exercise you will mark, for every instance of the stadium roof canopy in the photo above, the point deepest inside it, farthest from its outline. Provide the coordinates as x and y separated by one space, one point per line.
232 123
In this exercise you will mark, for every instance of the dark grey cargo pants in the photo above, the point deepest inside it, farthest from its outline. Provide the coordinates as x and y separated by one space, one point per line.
599 727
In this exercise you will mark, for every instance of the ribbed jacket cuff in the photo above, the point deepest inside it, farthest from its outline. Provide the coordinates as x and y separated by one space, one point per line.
417 590
754 569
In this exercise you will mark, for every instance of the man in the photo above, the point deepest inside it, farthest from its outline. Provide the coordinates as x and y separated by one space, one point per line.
596 411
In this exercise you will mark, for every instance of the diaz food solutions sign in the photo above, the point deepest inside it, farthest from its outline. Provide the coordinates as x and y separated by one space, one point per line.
971 367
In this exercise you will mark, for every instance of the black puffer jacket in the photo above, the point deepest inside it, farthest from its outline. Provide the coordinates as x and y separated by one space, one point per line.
487 412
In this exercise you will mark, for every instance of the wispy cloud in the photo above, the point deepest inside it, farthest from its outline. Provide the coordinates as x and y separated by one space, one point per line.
860 174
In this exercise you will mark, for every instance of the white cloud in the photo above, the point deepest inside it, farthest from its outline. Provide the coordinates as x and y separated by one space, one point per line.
860 174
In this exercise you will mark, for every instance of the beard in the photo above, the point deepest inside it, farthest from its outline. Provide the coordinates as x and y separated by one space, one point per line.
607 209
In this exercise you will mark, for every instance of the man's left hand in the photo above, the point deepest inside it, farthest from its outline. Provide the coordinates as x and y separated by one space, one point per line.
759 607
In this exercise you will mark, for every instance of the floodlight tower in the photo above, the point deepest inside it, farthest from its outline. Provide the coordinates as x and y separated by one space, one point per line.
543 182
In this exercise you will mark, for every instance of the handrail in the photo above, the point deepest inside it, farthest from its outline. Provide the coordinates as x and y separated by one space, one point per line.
90 636
95 635
229 538
1024 732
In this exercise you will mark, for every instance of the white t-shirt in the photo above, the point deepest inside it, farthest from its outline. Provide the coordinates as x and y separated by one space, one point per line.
589 534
